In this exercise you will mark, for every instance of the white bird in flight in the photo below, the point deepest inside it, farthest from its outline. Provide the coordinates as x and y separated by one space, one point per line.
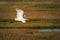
20 16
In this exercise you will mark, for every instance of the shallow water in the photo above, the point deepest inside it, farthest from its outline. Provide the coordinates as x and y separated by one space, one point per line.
48 30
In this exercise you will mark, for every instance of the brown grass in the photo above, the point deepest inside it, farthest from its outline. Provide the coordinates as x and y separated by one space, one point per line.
27 34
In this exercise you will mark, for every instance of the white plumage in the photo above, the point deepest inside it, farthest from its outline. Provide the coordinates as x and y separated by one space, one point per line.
19 16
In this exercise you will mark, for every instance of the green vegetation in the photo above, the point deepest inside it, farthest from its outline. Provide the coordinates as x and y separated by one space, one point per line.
31 4
32 23
47 5
29 0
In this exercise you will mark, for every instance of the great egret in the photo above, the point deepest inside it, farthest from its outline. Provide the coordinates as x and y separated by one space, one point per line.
20 16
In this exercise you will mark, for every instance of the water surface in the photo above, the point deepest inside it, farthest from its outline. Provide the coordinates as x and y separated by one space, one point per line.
48 30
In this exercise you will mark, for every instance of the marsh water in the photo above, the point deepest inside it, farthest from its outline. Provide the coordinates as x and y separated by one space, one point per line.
48 30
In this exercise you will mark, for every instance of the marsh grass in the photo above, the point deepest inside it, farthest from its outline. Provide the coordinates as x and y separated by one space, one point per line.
25 0
10 35
47 5
29 0
32 23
